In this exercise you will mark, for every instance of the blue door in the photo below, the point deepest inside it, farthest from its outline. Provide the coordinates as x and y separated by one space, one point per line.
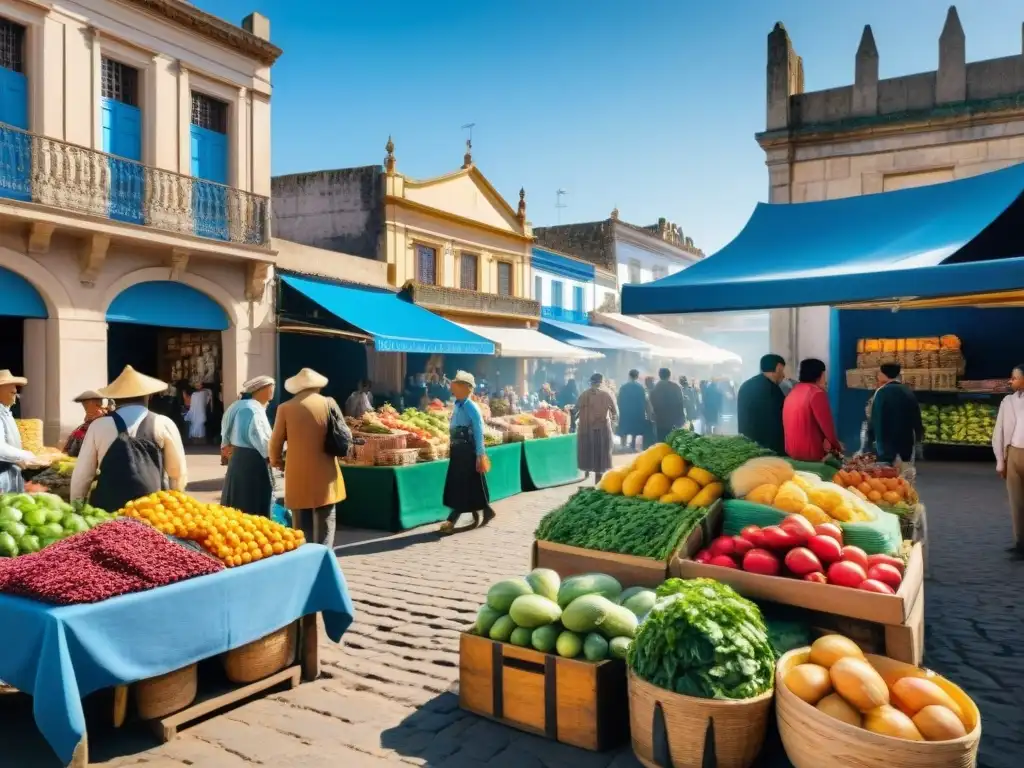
122 138
15 144
209 194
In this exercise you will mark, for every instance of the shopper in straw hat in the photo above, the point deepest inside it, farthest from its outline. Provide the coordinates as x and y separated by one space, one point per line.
136 452
312 478
12 456
95 406
465 486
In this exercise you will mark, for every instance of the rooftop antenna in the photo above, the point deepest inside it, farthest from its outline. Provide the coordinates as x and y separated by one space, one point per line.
559 204
468 127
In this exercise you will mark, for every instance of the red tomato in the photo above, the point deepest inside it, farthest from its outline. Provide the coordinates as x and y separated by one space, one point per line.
856 555
846 574
723 545
802 561
895 562
752 533
828 529
761 561
886 574
776 537
870 585
799 526
704 556
825 547
742 546
723 561
817 577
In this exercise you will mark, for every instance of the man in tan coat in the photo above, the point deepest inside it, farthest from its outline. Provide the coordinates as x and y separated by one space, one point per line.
312 477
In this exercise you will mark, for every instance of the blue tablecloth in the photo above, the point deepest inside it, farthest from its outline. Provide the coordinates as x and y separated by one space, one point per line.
60 654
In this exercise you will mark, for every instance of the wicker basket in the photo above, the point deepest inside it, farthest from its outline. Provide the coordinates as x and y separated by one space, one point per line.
367 452
166 694
261 658
738 726
31 433
397 458
952 358
862 378
917 378
813 739
944 380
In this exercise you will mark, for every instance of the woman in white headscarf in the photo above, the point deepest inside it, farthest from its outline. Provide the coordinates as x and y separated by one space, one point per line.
245 438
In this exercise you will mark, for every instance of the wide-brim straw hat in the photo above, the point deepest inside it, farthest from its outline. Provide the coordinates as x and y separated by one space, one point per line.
131 384
465 377
89 394
305 379
6 377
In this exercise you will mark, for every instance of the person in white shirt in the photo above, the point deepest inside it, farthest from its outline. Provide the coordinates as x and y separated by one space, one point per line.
360 401
1008 446
134 451
12 456
199 408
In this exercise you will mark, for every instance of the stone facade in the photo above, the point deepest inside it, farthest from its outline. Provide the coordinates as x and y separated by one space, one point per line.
878 135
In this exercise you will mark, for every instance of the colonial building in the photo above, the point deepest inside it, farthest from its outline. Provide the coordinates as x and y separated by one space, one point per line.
451 243
568 288
878 135
134 208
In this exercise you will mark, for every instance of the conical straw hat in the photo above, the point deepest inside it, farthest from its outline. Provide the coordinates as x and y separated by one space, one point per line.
132 384
305 379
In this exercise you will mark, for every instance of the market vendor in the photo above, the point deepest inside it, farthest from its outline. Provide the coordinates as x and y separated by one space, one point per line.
134 451
94 405
465 486
807 421
245 435
360 401
12 456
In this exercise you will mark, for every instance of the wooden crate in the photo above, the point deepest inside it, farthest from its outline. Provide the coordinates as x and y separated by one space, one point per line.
581 703
631 571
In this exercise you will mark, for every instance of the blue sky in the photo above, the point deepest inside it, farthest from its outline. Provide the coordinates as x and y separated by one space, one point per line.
648 105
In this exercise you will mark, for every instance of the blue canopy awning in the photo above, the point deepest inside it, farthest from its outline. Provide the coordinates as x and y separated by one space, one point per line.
167 304
394 324
592 337
938 240
20 297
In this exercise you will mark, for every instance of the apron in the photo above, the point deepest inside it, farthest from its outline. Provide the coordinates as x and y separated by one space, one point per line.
248 484
465 489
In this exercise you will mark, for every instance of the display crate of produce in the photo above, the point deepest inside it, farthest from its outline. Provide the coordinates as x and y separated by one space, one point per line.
862 378
396 458
943 380
917 378
374 443
580 703
828 598
628 569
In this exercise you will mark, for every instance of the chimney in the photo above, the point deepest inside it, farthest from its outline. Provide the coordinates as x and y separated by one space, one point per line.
785 78
258 25
951 80
865 83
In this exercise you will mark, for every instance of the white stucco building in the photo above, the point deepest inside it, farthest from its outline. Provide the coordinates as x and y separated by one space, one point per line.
567 288
134 210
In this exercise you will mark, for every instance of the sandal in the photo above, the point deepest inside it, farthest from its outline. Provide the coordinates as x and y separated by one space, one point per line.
446 529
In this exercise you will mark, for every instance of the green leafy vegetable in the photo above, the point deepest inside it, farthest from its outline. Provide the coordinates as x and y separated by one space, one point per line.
592 519
702 639
720 455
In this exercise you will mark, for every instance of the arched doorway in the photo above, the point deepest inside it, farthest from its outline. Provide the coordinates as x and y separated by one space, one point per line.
172 331
21 302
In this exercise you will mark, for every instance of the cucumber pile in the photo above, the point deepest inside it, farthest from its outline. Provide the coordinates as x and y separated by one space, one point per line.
588 617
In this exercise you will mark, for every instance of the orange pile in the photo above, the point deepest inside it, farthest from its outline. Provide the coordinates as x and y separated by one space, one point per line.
231 536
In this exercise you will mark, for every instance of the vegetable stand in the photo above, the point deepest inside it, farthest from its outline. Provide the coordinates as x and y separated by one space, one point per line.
60 654
550 462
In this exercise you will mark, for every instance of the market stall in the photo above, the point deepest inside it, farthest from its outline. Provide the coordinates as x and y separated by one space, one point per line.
134 600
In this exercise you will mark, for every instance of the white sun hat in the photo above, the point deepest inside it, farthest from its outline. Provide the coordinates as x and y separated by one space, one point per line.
305 379
131 384
466 378
6 377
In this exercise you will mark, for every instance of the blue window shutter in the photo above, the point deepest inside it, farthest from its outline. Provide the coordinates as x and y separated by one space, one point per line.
122 138
209 201
577 298
556 293
14 98
15 146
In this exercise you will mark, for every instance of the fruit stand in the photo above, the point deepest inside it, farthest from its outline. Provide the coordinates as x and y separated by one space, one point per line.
154 604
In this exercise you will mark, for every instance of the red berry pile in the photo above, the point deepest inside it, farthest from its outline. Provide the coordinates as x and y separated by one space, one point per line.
115 558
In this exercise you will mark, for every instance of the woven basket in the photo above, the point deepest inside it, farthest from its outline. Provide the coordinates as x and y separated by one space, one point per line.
261 658
917 378
367 452
166 694
31 433
862 378
397 458
869 359
944 380
813 739
738 726
952 358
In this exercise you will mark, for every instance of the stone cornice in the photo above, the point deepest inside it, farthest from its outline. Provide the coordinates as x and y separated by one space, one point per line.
211 27
651 242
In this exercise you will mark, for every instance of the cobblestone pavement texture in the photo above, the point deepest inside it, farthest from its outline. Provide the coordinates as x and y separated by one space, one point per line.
389 694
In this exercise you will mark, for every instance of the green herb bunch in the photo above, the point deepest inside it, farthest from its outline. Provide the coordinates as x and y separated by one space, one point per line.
593 519
702 639
720 455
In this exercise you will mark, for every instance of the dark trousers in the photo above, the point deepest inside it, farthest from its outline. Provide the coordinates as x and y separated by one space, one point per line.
318 524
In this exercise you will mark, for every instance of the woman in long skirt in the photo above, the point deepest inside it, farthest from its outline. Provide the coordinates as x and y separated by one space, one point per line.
597 412
245 430
465 487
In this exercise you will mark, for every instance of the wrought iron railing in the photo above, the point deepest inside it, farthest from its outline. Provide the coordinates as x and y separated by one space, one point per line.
42 170
565 315
441 297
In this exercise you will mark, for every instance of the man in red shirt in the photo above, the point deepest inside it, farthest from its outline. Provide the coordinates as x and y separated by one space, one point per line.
807 416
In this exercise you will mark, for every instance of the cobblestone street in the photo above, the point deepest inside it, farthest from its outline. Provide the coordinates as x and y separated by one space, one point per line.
389 694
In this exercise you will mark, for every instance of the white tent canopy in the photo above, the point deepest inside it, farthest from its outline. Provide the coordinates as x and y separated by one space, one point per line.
524 342
666 343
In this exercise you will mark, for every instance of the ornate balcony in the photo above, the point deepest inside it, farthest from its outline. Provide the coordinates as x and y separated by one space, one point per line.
565 315
42 170
458 300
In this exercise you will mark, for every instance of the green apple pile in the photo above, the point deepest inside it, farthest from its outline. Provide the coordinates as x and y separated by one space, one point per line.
30 522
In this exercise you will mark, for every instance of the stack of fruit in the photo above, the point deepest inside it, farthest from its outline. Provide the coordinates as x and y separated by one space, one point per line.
233 537
589 616
882 486
930 420
660 474
967 423
799 550
30 522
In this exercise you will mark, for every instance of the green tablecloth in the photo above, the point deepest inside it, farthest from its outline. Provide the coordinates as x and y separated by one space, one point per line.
550 461
400 498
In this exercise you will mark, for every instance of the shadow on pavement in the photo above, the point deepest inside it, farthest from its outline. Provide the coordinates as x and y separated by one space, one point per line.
385 544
